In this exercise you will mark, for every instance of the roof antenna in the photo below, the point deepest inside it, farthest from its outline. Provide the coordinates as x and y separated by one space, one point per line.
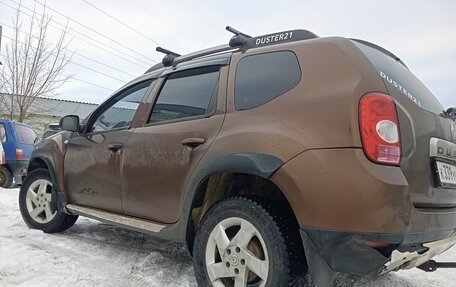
168 59
239 39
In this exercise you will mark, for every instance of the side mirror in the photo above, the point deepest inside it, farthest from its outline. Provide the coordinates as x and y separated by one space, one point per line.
69 123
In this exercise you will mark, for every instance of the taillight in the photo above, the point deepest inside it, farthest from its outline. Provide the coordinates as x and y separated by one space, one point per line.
19 154
3 158
380 129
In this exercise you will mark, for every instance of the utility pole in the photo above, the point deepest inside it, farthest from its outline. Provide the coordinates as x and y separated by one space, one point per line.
0 43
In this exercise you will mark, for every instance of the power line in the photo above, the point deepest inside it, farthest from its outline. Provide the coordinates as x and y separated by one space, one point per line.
106 65
124 24
78 54
90 83
163 22
83 39
87 82
88 37
98 72
89 28
70 61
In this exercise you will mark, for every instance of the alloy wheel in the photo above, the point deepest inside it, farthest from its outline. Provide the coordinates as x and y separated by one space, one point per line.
236 254
38 201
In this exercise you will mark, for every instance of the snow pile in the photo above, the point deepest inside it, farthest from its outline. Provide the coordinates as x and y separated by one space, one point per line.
97 254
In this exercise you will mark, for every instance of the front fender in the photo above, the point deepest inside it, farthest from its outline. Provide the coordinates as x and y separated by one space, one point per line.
51 151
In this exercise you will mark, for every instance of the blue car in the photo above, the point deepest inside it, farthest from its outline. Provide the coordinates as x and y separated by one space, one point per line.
18 140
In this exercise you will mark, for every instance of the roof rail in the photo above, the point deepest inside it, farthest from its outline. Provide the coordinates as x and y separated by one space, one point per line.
239 41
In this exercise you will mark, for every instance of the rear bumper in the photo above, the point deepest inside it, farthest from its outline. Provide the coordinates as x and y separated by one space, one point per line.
346 205
353 253
340 189
18 169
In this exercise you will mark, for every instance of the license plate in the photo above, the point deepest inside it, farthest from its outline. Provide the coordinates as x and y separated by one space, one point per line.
447 173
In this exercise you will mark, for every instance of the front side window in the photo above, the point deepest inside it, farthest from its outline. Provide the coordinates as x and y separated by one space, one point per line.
25 135
121 113
263 77
187 94
3 137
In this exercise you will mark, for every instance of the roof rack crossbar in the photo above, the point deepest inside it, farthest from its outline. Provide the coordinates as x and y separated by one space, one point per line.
239 41
167 52
236 32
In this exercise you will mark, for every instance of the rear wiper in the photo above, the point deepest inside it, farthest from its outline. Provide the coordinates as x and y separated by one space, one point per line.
450 113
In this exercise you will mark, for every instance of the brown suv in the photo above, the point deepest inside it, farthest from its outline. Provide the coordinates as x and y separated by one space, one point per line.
270 157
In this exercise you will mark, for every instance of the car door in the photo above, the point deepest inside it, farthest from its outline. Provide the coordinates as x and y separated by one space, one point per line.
159 158
92 159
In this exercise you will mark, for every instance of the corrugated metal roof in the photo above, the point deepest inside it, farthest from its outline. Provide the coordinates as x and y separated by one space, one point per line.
57 107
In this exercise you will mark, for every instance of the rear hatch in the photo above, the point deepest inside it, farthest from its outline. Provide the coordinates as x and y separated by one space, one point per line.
26 138
428 137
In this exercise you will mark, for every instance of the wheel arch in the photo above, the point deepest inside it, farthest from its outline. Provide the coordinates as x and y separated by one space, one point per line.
227 175
44 159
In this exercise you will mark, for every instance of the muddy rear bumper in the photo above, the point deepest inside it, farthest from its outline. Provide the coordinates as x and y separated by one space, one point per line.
340 189
18 169
369 254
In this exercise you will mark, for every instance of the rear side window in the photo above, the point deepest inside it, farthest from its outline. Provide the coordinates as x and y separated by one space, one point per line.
25 135
398 77
3 137
261 78
187 94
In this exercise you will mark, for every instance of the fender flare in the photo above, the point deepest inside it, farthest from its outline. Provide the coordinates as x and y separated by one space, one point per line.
262 165
59 198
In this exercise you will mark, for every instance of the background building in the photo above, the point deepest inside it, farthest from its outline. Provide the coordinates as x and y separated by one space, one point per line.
46 111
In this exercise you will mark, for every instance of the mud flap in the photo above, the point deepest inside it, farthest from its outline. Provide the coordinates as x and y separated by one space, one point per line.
331 253
320 273
59 201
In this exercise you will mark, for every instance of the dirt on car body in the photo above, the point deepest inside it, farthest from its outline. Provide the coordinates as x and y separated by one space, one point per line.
271 157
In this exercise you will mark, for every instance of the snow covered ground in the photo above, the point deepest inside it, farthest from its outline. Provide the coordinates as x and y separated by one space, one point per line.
97 254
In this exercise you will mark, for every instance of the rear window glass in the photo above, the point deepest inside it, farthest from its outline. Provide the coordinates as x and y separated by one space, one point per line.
3 137
261 78
187 94
25 135
398 77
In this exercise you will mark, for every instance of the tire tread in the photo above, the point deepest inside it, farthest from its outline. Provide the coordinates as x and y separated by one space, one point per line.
286 236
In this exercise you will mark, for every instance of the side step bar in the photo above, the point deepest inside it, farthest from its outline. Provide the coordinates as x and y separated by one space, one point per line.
432 266
110 217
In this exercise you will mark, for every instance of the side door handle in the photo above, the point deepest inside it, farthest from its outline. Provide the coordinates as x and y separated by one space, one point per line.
193 142
115 146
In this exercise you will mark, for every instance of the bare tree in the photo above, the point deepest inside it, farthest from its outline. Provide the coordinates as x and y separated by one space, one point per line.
33 66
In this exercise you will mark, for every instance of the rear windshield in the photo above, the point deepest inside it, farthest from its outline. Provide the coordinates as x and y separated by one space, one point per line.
400 78
3 136
25 135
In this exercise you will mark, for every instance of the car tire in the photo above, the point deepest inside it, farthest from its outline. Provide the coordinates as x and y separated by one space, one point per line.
35 204
6 178
249 241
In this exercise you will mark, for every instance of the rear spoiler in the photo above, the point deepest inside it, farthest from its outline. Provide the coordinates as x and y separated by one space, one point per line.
383 50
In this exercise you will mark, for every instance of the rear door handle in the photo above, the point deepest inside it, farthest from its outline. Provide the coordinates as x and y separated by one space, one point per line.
193 142
114 146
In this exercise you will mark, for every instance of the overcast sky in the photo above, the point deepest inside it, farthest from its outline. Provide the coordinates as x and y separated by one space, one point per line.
421 33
